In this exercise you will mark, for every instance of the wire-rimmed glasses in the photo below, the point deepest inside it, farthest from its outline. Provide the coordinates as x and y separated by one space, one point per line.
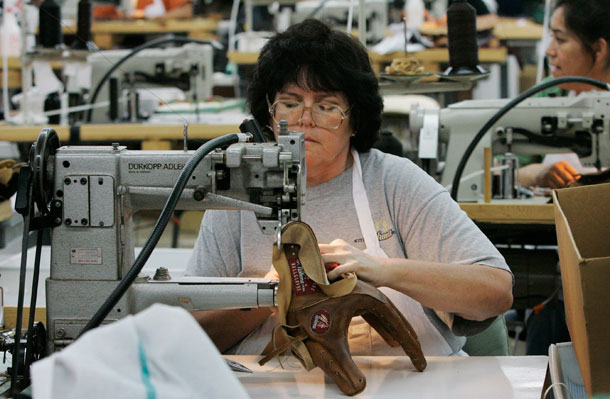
324 114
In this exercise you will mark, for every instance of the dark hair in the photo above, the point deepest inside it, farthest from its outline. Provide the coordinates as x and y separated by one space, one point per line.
587 19
315 57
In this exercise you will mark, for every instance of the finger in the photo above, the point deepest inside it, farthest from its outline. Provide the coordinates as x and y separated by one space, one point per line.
326 248
341 269
570 169
556 181
394 327
387 320
567 173
339 242
336 362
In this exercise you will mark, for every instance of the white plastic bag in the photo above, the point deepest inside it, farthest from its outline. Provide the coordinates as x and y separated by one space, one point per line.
159 353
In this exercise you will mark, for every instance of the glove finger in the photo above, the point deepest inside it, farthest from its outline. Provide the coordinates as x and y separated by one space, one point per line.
344 373
396 326
375 322
326 323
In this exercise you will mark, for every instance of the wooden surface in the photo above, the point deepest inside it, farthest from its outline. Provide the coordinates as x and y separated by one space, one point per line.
509 213
486 55
107 33
118 132
10 316
505 29
518 29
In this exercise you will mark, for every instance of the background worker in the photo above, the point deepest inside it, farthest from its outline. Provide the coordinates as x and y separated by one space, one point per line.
579 47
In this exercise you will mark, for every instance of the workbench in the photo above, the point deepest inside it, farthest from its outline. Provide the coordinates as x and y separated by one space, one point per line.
427 57
106 34
497 377
153 137
506 28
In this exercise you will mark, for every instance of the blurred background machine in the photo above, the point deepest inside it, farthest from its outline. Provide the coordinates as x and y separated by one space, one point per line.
131 89
336 12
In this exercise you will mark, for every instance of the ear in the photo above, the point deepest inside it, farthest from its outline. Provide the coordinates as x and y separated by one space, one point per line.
602 52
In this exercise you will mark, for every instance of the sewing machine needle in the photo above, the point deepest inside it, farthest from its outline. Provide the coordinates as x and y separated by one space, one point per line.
235 366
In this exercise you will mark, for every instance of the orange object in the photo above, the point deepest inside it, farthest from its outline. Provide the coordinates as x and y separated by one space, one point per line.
106 11
330 266
538 308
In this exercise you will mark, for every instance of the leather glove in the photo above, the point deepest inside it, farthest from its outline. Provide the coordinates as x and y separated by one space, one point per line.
9 176
315 313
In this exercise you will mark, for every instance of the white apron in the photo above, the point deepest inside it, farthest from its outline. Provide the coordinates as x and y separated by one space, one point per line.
363 339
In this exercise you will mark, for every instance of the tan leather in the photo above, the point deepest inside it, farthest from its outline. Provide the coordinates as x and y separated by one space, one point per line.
316 314
7 169
9 175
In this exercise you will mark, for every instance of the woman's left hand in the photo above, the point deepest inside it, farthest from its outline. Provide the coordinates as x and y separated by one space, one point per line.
351 259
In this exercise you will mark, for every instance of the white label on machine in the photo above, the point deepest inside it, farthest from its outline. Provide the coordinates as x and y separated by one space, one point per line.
86 256
428 137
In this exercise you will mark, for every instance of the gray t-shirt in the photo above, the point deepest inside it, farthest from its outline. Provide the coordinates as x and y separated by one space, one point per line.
414 216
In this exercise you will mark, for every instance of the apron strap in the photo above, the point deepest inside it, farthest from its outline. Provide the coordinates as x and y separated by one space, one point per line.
363 210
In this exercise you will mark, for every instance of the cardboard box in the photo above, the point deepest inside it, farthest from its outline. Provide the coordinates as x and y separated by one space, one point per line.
582 219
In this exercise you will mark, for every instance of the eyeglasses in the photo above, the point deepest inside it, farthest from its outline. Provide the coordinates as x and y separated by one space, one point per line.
324 115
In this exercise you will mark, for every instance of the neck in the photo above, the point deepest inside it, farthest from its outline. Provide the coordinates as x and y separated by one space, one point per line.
595 73
321 176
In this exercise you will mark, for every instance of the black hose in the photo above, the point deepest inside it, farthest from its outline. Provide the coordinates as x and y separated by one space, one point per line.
29 345
152 43
17 352
528 93
164 218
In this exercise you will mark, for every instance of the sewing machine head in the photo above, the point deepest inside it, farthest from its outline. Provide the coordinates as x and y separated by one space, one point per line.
188 68
93 192
536 126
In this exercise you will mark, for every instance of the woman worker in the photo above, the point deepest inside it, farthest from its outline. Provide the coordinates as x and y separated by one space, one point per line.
579 47
376 214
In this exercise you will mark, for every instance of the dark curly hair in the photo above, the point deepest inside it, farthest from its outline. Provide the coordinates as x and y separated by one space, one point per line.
587 19
316 57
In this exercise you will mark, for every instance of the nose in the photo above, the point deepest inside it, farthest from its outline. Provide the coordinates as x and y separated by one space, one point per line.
307 118
551 50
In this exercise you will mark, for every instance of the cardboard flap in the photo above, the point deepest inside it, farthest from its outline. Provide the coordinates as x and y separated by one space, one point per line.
582 221
587 212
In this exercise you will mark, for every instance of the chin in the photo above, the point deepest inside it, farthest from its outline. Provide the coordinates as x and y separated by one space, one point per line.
577 87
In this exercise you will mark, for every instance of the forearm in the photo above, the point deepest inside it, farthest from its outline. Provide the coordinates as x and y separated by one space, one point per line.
474 292
227 327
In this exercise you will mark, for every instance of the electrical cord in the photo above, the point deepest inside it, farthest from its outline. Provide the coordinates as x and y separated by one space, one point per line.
152 43
528 93
164 218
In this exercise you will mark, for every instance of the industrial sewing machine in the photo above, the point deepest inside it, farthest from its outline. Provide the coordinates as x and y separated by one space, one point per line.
188 68
336 12
93 192
536 126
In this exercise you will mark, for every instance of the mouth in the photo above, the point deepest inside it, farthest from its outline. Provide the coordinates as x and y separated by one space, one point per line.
308 139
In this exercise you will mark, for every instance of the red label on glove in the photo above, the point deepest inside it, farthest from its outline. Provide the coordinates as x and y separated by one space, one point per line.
320 322
302 284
